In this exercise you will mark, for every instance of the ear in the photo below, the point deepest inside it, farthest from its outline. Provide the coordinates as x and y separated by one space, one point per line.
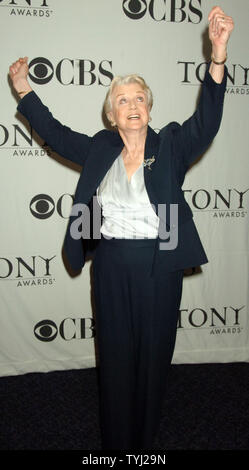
110 116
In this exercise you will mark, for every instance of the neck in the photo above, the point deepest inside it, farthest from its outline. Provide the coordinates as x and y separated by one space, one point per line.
134 141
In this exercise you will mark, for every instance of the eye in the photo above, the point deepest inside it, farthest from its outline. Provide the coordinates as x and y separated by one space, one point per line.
41 70
122 100
45 330
42 206
140 98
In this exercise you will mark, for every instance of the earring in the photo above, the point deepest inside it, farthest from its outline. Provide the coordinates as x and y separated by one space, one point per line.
113 123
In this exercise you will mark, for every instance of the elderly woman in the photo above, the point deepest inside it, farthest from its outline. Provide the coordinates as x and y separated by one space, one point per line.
134 172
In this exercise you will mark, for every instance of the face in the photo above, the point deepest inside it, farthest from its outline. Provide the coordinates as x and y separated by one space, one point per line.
130 109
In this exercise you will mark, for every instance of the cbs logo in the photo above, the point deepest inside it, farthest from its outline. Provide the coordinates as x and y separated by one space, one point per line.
71 71
164 10
68 329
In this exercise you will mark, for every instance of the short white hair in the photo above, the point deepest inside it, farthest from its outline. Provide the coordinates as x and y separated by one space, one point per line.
126 80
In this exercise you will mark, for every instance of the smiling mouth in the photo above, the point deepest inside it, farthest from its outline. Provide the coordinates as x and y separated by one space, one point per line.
134 116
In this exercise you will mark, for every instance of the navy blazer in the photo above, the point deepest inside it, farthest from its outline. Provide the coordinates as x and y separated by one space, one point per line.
175 148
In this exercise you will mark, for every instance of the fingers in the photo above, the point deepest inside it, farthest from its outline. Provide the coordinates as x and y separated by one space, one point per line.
23 60
220 21
214 11
13 69
217 14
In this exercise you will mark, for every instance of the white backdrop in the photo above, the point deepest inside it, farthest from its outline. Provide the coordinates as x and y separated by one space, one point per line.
74 49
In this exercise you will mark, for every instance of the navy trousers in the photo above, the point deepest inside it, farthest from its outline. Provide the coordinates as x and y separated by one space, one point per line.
136 322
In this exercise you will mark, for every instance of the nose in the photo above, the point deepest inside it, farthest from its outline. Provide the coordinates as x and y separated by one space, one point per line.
133 103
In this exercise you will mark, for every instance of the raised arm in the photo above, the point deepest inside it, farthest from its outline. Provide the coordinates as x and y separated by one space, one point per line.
70 144
220 28
197 132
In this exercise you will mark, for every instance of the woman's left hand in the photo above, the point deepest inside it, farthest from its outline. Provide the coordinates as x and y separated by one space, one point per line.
220 28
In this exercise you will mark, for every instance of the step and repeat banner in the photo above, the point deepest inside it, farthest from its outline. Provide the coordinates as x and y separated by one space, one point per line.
74 49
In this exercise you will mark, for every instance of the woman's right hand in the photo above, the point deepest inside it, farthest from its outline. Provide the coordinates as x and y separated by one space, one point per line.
18 72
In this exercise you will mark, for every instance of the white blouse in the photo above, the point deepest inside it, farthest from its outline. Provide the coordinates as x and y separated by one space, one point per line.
126 208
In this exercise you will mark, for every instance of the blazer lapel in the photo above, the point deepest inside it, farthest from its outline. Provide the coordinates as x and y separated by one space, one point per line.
100 159
151 144
108 150
151 150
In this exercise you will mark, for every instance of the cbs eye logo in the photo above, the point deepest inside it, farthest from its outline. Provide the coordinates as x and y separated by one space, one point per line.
46 330
41 70
134 9
42 206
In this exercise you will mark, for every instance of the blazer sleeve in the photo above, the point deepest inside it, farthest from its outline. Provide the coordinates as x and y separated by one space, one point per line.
69 144
193 137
